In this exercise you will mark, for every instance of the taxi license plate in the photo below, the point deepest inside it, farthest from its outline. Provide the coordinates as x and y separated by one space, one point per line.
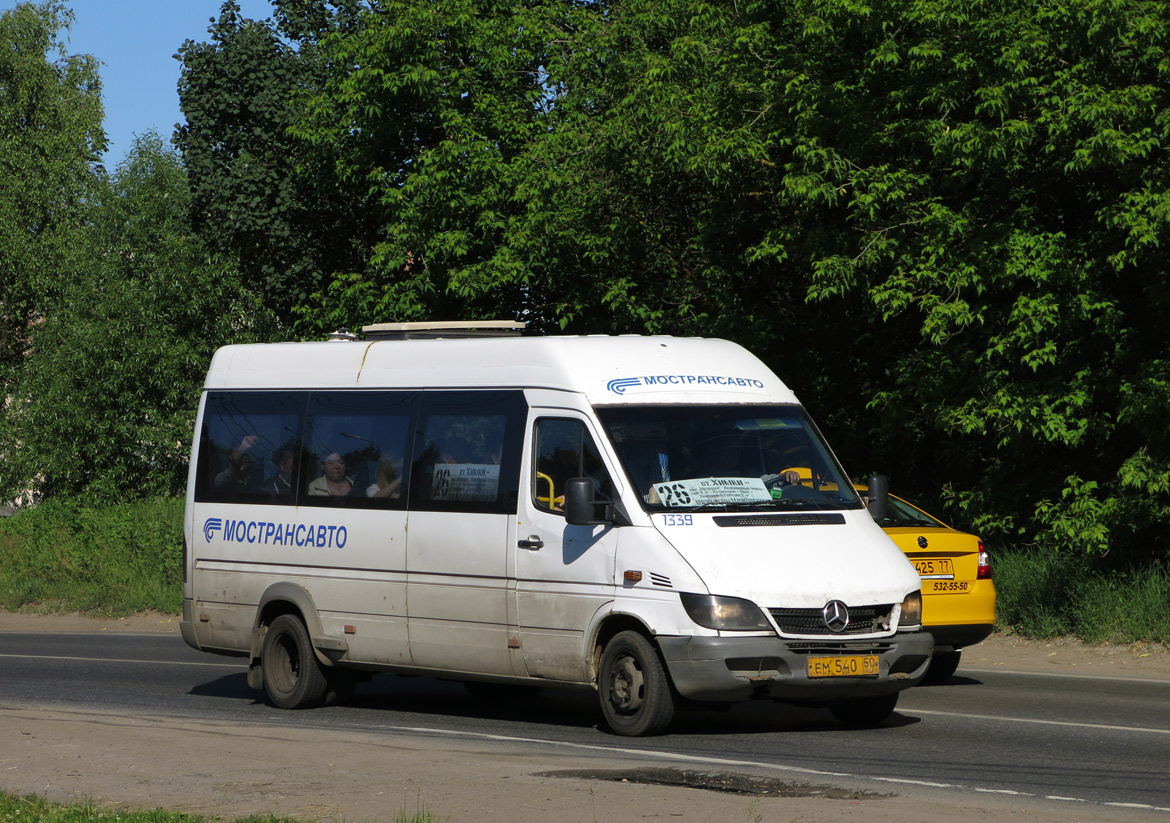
946 586
853 665
937 568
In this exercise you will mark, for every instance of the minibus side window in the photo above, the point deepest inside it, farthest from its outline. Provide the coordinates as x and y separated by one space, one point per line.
249 447
564 448
356 449
467 451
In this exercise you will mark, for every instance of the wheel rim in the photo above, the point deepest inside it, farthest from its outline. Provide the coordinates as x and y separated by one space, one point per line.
626 685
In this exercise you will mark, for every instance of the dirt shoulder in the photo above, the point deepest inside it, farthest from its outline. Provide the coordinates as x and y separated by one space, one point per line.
232 769
148 623
1068 656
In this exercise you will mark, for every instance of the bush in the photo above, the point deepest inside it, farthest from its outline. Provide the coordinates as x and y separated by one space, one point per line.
80 556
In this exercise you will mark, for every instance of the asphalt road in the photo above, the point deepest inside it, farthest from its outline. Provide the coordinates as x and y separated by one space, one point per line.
1094 739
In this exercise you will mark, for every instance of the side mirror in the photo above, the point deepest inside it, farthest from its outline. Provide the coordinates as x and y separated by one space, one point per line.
580 507
879 496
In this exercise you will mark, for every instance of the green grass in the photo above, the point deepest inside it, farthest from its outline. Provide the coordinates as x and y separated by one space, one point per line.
32 809
101 560
111 561
1048 594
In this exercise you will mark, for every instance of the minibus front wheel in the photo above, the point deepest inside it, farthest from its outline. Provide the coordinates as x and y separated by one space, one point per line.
635 693
292 676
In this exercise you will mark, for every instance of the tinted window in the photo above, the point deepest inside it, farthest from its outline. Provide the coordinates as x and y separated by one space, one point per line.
901 513
564 449
250 447
356 445
467 451
363 449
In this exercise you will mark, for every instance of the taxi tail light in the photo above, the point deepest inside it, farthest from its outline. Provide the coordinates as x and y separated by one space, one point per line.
984 572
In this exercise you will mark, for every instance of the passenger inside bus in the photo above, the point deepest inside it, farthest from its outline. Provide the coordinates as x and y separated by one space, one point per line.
240 473
280 483
388 483
333 482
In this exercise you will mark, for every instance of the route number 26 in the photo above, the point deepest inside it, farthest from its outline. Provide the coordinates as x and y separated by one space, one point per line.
674 494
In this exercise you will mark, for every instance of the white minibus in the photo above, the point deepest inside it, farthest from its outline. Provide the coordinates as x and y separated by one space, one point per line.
656 518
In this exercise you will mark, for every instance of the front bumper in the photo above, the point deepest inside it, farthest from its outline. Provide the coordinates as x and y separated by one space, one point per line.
739 668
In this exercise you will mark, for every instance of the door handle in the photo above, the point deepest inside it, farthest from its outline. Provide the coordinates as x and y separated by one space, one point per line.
532 542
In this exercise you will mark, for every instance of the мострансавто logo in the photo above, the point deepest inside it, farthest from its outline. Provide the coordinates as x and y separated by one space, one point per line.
275 534
620 385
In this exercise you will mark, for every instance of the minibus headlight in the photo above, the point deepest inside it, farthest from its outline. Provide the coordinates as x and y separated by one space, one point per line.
724 613
911 611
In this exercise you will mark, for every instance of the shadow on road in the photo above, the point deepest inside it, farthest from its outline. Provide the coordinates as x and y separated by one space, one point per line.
426 699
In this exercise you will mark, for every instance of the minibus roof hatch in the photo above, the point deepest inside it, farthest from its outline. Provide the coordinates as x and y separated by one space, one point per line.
428 330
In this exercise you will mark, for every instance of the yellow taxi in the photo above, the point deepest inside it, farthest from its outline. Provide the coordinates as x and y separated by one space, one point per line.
958 595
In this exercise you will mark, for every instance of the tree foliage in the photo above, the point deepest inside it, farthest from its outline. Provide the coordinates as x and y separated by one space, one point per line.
262 194
943 222
1005 203
50 139
110 305
104 403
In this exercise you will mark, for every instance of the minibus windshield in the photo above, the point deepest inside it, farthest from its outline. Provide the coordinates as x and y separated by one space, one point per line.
726 458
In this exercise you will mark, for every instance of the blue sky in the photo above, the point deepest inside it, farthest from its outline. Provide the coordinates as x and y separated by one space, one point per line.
135 41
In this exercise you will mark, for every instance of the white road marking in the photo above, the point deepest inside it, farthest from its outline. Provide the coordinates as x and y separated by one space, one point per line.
121 660
1068 675
1005 719
774 767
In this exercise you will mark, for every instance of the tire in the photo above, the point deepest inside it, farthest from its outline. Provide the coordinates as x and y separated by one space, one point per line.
292 676
636 700
865 712
942 668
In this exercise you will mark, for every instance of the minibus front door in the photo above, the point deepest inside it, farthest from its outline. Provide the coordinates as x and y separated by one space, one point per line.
564 574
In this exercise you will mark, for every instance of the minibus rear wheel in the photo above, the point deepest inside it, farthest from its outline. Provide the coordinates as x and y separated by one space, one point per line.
292 676
635 693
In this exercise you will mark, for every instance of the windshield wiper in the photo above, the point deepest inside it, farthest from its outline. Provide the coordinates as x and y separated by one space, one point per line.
777 505
708 507
788 504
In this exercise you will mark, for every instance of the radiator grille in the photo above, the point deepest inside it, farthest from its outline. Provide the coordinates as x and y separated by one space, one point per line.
862 620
